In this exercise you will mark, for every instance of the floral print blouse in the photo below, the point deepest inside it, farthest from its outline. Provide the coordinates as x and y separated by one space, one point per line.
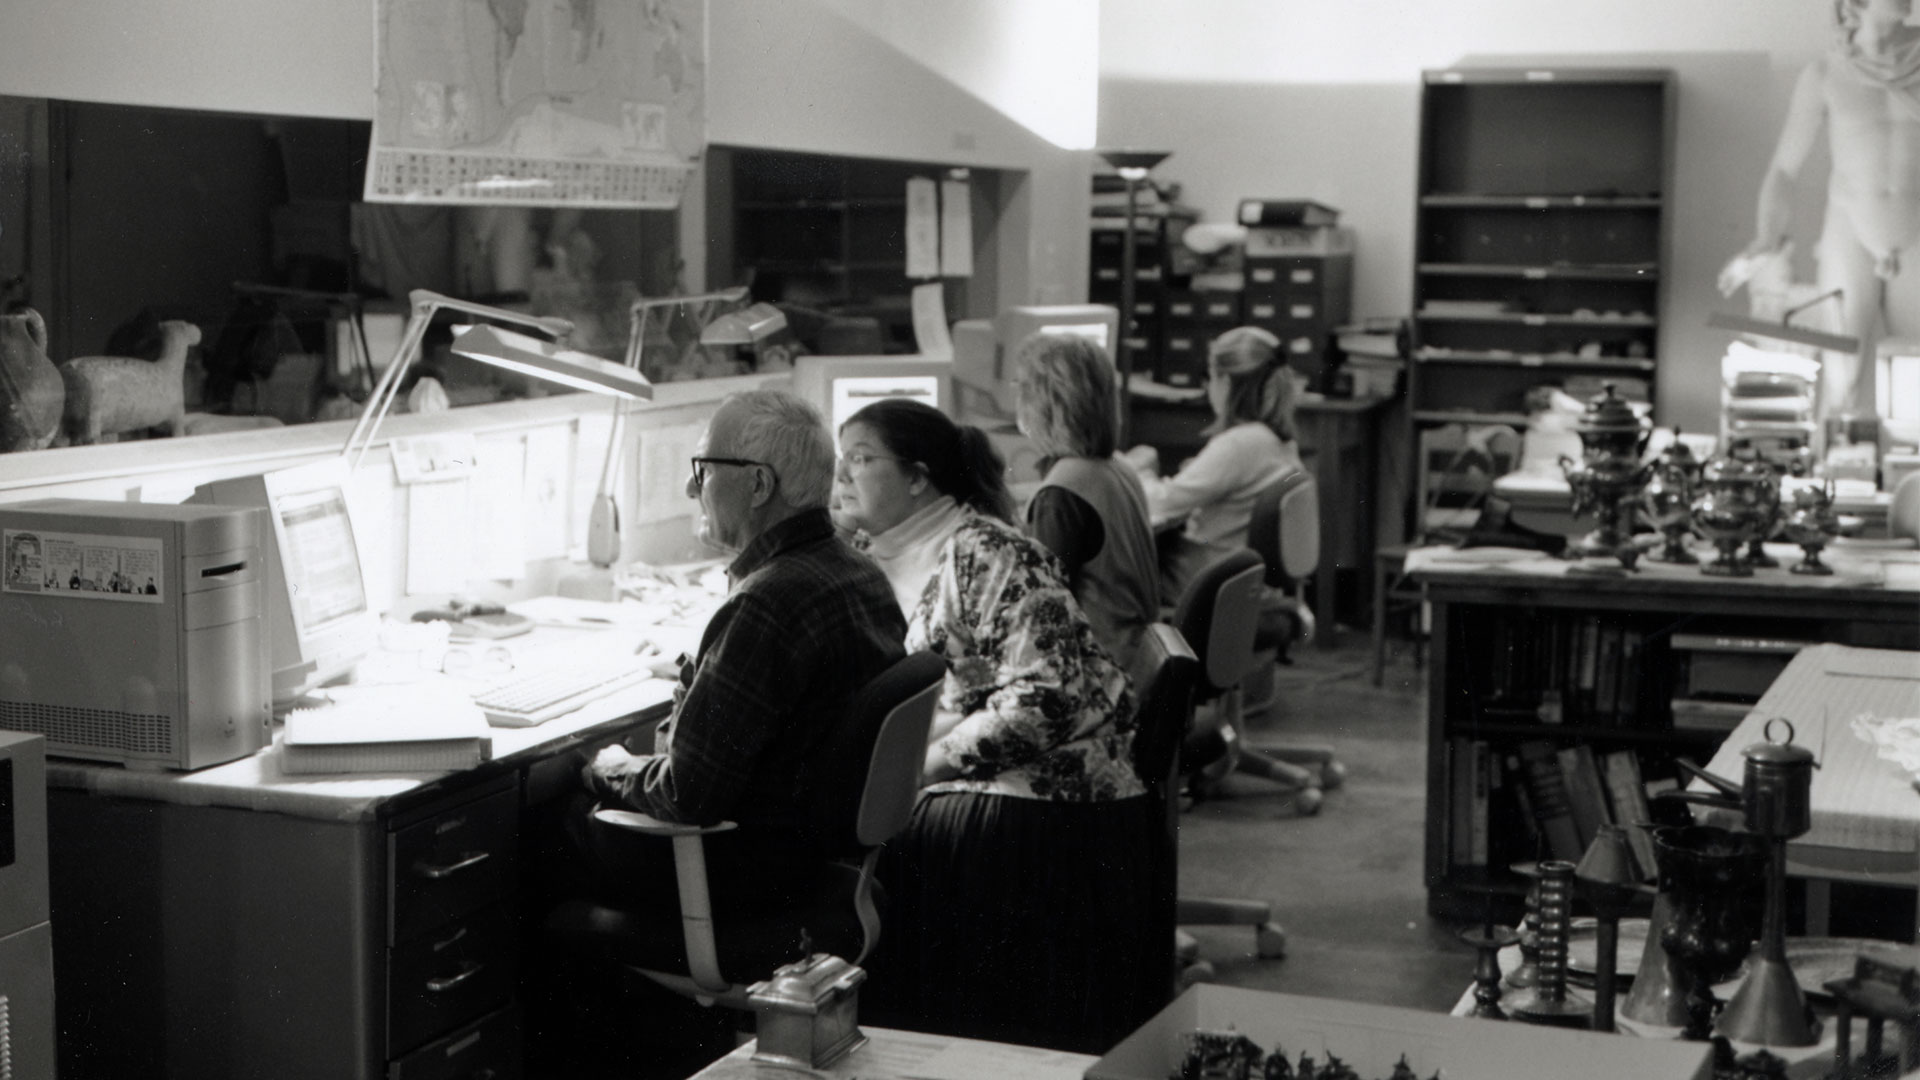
1044 712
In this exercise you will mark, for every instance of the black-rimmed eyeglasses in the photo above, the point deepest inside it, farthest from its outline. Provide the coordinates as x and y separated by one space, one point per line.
700 464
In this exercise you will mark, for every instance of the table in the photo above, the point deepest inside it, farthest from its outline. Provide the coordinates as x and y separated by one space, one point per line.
899 1055
240 922
1865 810
1339 443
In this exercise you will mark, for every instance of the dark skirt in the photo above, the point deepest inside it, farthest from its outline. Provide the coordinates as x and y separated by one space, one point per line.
1022 920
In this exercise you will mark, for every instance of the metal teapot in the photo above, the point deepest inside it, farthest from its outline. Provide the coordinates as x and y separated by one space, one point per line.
1606 480
1667 500
1734 505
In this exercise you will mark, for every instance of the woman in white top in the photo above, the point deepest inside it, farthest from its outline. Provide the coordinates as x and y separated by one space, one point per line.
1250 445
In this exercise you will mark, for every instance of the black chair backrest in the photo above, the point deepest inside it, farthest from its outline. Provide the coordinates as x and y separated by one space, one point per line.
1219 615
1285 528
1170 673
905 696
844 769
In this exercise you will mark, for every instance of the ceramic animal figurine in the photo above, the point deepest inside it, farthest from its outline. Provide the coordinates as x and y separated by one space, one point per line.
32 394
108 395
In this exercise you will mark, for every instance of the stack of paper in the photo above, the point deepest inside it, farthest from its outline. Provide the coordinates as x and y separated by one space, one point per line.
408 727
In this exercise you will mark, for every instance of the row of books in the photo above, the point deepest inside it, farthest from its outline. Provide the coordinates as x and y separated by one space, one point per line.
1539 800
1567 668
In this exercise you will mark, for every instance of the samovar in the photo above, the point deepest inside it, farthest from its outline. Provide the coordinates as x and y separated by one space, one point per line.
1810 522
1667 499
1606 481
1733 506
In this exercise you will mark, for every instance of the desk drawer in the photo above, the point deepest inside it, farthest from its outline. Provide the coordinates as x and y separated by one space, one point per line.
450 976
488 1049
454 862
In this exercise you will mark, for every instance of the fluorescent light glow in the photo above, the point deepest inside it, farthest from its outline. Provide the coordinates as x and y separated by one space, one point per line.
542 360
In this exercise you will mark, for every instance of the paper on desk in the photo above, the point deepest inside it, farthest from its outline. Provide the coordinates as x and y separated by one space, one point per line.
664 463
438 534
544 523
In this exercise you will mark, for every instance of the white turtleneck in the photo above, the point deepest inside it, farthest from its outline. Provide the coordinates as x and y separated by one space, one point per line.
910 552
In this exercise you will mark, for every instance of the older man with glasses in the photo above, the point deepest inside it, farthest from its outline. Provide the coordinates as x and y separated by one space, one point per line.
806 623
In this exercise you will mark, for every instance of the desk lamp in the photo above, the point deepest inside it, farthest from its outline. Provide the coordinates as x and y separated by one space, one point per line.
501 348
1133 166
734 328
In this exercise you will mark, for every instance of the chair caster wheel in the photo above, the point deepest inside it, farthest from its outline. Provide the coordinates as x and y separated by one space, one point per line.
1307 802
1201 972
1332 775
1270 941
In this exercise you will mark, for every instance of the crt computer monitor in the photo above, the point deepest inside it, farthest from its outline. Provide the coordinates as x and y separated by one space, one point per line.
318 617
843 385
983 351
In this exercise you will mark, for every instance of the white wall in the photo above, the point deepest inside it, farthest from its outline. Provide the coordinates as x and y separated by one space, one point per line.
1290 97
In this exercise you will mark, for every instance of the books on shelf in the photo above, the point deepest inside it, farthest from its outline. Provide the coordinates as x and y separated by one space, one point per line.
1545 788
1586 793
1627 791
410 727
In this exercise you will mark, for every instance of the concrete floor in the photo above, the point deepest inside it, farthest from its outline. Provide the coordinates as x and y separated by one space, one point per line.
1346 883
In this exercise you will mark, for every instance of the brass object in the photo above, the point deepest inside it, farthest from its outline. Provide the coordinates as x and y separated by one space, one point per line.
1549 1000
1487 941
1606 481
1529 970
1810 522
1605 880
807 1014
1711 874
1733 507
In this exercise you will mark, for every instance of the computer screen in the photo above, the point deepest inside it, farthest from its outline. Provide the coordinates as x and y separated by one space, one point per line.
318 618
843 385
982 360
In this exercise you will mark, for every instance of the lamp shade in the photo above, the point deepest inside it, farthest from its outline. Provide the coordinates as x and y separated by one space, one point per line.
543 360
748 326
1135 161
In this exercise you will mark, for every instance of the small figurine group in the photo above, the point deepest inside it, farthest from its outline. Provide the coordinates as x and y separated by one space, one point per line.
1229 1055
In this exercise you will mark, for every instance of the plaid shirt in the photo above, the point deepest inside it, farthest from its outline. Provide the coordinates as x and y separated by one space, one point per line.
808 622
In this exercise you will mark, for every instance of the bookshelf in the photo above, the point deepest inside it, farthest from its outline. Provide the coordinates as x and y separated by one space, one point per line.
1540 240
1541 684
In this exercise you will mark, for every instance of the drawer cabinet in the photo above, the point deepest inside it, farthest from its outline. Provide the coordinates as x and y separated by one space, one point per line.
453 861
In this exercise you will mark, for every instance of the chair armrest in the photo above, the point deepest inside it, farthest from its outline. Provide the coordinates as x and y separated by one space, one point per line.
647 824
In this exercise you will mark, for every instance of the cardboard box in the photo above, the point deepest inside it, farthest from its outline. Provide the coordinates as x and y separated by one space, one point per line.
1371 1038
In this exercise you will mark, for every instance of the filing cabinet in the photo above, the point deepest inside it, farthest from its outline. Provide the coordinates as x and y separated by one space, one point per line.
1300 299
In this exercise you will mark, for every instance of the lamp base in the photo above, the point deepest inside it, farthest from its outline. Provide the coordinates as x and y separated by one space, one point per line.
588 583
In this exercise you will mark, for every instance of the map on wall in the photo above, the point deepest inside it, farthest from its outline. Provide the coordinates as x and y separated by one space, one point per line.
591 103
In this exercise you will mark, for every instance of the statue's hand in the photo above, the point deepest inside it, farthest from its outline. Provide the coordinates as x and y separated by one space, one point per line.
1742 267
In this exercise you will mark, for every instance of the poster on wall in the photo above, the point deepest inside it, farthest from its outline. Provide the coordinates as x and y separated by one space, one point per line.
583 103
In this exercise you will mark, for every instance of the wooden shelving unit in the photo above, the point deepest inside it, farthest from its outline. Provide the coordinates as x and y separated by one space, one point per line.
1541 240
1512 649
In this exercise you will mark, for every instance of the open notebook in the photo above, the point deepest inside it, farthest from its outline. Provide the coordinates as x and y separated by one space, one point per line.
407 727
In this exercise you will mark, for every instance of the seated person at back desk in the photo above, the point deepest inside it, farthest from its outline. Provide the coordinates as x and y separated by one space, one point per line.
1090 508
1250 445
807 623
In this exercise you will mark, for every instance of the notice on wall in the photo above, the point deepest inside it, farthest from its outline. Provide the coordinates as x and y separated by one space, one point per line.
591 103
923 228
83 566
956 229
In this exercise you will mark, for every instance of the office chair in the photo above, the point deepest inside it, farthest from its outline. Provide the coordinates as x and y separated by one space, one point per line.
717 965
1285 531
1166 674
1219 614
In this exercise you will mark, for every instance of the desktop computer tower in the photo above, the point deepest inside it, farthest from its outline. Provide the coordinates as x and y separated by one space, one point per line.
26 937
135 631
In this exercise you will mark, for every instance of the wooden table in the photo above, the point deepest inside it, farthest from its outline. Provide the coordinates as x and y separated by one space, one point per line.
899 1055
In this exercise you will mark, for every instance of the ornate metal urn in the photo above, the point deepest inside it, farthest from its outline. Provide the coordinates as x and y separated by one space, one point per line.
1734 505
1811 522
1607 479
1667 500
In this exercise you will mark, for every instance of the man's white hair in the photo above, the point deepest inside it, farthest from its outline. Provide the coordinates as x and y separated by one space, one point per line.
791 436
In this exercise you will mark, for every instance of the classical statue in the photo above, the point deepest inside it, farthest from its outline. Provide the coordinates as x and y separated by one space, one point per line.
1865 90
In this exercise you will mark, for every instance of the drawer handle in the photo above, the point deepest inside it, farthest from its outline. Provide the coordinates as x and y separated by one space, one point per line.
443 983
438 872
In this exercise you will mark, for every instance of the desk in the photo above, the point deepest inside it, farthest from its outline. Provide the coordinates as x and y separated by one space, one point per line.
898 1055
239 922
1491 608
1865 811
1339 443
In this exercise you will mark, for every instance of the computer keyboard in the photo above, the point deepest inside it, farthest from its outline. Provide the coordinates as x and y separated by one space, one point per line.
525 699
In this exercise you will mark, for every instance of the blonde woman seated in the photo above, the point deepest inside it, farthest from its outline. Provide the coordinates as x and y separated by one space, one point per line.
1017 892
1090 510
1250 445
